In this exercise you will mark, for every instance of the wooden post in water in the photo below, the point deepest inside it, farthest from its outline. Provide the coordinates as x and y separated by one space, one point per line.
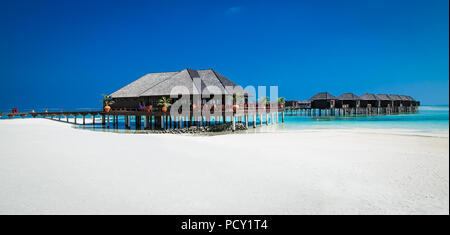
151 125
166 122
246 120
84 119
282 117
233 120
254 120
93 120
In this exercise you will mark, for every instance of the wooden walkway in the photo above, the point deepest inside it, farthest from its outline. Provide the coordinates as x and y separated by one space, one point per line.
162 120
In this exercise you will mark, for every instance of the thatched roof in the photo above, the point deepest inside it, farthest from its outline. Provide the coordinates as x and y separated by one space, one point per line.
396 97
348 96
407 98
369 96
322 96
410 98
384 97
404 98
162 84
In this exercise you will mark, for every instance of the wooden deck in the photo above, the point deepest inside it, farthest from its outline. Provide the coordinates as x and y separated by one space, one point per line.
163 120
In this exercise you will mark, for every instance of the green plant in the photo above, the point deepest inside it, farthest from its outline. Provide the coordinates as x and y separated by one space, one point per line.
107 100
264 100
281 100
165 102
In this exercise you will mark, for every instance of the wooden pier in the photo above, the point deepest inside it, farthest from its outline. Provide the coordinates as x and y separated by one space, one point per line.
154 120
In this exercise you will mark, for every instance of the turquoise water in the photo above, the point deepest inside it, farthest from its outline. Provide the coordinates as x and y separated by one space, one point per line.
429 118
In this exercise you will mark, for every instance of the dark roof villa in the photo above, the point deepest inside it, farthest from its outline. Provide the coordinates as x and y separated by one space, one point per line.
148 89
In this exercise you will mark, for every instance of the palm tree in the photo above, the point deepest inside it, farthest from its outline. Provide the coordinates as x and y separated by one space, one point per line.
107 100
165 103
281 100
264 100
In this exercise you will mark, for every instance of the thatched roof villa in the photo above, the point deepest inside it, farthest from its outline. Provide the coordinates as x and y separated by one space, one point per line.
406 100
148 89
397 101
349 99
385 100
322 100
369 99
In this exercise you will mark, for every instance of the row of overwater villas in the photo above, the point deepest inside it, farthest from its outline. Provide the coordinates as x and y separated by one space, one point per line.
349 103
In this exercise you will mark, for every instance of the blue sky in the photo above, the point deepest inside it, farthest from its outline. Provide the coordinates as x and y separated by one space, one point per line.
67 53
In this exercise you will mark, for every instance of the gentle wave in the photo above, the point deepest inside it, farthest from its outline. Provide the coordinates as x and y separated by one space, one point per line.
434 108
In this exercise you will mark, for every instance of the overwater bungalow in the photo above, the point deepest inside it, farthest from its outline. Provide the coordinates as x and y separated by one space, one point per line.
149 89
348 103
397 102
413 101
385 100
386 103
405 103
347 99
322 101
370 102
409 104
204 88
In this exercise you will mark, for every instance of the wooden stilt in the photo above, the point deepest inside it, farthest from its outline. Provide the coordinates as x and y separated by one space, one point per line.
233 119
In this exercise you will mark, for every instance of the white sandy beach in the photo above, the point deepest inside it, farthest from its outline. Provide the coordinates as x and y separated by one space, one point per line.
48 167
